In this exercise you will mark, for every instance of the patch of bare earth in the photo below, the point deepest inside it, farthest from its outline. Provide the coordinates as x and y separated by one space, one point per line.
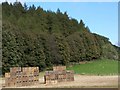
81 81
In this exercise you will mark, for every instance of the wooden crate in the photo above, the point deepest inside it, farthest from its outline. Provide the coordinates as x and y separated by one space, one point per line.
25 80
51 81
50 77
70 76
59 68
7 81
18 82
12 82
61 77
15 69
7 75
25 76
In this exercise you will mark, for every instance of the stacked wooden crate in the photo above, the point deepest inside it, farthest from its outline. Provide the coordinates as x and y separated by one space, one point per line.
14 76
19 78
7 79
69 75
59 74
35 73
30 76
25 76
50 77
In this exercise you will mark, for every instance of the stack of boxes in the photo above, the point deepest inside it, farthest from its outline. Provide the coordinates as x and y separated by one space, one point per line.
7 79
28 76
25 76
50 77
12 78
36 75
16 74
59 74
69 75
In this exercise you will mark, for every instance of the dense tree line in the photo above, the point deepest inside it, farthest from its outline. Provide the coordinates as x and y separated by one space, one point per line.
35 37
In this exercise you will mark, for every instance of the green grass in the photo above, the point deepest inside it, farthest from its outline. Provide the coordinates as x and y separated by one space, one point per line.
41 74
98 67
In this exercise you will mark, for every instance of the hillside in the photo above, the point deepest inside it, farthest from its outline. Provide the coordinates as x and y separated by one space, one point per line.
35 37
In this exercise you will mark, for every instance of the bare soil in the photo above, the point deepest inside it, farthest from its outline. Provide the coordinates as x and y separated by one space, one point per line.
81 81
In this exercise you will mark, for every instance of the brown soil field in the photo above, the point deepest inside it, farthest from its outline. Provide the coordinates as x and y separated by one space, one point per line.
81 81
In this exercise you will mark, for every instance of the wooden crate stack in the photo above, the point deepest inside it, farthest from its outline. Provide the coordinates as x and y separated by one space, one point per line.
50 77
18 75
25 76
69 75
14 76
59 74
7 79
36 75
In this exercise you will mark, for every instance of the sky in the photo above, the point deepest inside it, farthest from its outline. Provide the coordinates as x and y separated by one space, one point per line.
61 0
101 17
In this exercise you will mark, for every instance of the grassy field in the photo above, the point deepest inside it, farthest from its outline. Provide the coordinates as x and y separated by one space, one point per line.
98 67
41 74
